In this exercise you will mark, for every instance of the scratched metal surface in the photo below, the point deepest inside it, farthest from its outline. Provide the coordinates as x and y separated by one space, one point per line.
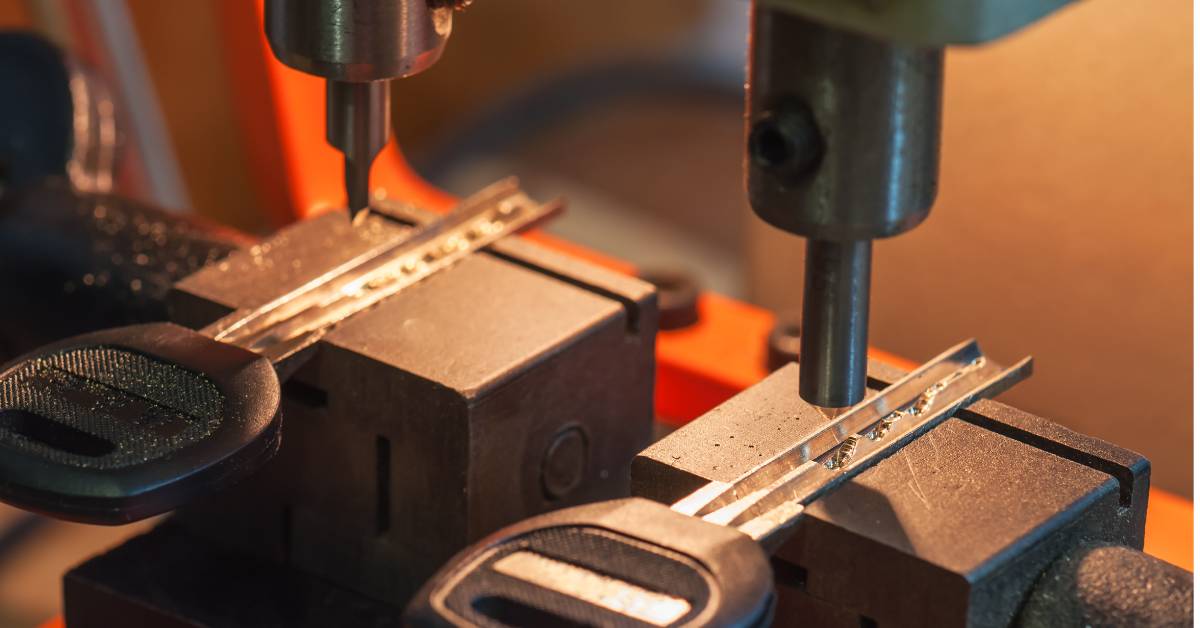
737 435
913 501
951 531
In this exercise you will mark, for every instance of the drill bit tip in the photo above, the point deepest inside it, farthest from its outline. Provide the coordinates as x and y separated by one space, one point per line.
356 123
358 173
833 412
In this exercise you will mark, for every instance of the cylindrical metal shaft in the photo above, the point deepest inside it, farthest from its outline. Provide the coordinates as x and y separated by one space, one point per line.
357 122
357 46
870 112
833 336
358 40
842 147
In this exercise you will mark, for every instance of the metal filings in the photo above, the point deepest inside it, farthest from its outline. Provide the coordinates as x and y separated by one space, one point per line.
844 453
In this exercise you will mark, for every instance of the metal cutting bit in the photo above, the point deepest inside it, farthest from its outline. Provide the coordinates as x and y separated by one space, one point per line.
842 146
358 47
357 119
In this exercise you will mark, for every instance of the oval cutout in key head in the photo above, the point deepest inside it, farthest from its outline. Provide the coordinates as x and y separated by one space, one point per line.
626 562
123 424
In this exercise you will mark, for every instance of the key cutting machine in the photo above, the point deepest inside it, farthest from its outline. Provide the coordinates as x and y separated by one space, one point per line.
333 412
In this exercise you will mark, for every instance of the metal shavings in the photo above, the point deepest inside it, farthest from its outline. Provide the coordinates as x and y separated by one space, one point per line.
921 405
844 453
295 320
885 425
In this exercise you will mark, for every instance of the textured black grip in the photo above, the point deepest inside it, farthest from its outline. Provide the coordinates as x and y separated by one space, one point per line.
623 563
104 408
74 263
123 424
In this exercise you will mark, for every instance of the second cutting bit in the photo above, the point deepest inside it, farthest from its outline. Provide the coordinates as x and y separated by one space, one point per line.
842 146
358 47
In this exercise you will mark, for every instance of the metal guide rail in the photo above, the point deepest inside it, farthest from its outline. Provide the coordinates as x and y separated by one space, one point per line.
122 424
637 562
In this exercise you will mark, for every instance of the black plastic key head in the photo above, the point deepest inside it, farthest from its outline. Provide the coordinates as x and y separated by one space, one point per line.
628 562
123 424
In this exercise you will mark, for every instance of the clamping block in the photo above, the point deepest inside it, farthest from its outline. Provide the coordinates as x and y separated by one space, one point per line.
952 530
515 382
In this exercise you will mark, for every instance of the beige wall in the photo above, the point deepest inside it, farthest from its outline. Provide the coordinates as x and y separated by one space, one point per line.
499 45
1063 227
